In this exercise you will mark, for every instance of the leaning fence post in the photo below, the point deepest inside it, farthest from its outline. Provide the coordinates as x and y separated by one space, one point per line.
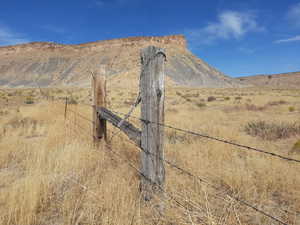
99 94
152 109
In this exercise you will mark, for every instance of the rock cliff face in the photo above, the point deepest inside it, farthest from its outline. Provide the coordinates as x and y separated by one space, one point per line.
51 64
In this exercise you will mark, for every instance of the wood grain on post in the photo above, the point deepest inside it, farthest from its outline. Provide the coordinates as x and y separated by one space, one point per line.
99 93
152 109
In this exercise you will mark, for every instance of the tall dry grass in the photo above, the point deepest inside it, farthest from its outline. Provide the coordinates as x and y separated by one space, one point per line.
50 173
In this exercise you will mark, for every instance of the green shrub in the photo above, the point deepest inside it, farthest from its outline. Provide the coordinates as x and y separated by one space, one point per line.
296 147
29 100
291 109
200 104
272 131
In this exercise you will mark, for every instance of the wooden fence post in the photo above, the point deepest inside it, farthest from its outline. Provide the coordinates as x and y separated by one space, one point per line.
152 109
99 94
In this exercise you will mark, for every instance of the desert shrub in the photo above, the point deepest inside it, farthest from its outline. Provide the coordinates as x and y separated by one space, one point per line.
200 104
178 93
227 98
280 102
29 100
174 137
238 98
272 131
211 98
296 147
3 112
291 109
252 107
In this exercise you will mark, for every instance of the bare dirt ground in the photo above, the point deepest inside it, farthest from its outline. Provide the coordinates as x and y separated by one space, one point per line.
50 173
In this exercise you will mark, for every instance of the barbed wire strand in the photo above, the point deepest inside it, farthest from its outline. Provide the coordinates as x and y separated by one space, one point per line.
141 174
173 165
150 181
80 115
213 138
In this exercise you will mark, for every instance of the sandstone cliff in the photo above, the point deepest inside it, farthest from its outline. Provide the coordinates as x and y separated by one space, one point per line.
50 64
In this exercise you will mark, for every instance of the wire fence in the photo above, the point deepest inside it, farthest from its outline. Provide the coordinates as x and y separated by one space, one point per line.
182 170
241 146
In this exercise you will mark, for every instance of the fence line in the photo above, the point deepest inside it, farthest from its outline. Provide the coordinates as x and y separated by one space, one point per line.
184 171
213 138
151 144
208 137
130 164
173 165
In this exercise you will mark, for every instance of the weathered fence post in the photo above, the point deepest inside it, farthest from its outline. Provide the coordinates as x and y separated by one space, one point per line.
152 109
99 94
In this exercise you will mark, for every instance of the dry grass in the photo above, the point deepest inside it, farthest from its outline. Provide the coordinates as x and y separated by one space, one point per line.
51 174
272 131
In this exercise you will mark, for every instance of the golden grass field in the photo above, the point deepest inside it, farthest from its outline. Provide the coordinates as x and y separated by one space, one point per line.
51 174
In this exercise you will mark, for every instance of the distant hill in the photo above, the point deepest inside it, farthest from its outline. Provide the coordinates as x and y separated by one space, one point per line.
51 64
282 80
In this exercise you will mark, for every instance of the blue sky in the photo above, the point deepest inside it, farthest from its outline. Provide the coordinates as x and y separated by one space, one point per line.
237 37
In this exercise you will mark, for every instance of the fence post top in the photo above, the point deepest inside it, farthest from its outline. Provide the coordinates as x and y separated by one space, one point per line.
151 52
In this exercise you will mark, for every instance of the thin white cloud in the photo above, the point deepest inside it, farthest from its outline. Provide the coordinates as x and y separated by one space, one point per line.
293 14
230 25
292 39
9 37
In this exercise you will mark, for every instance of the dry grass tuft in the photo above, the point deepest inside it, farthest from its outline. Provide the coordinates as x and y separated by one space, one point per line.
272 131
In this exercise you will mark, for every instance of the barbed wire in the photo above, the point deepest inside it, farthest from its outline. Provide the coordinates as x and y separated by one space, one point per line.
130 164
173 165
166 194
212 138
80 115
209 137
